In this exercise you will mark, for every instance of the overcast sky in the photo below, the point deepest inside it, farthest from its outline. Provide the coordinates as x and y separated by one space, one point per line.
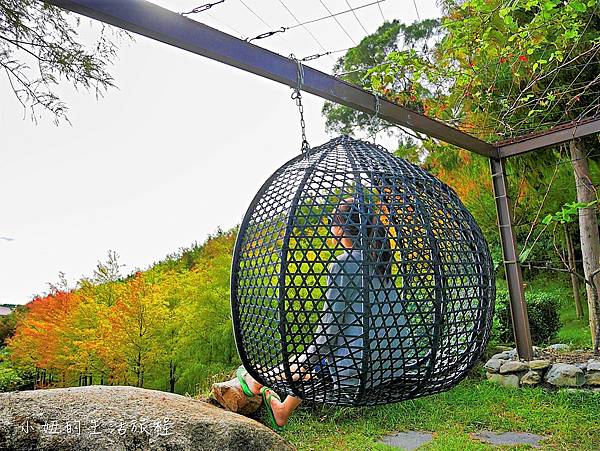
178 150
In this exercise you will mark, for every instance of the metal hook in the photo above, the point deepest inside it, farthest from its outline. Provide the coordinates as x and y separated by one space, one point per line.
299 72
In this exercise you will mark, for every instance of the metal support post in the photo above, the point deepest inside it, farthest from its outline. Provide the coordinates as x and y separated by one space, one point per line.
518 306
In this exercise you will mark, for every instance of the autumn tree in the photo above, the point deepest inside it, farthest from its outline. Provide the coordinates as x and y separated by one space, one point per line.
37 339
136 320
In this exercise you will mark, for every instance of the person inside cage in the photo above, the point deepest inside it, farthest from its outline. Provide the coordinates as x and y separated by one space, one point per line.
337 349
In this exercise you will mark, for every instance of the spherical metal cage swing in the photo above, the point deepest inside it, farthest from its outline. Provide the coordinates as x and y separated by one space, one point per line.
359 279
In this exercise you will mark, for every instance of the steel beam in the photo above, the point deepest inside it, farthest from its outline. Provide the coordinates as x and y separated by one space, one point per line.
150 20
514 277
556 135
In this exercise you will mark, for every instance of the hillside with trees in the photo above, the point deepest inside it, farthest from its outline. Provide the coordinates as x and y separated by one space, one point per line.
166 328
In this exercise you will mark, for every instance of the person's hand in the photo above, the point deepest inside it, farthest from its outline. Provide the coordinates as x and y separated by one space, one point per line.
298 372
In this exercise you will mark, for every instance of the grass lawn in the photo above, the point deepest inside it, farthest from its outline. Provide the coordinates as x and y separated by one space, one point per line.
573 331
570 420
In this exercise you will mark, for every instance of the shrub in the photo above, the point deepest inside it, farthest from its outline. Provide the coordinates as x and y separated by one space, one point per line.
543 309
9 379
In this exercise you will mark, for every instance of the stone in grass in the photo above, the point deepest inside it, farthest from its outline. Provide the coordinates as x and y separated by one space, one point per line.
593 365
500 356
531 378
493 365
507 380
539 364
560 347
565 375
513 366
407 440
509 438
592 378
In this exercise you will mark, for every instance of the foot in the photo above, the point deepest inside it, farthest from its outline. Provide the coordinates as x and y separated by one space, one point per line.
280 413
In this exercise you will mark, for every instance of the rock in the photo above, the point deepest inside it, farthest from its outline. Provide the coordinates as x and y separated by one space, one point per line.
592 378
512 354
501 356
230 395
509 438
593 365
581 366
120 418
531 378
559 347
539 364
509 380
565 375
493 365
513 366
408 440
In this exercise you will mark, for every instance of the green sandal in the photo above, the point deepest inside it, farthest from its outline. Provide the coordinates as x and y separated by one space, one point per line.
267 401
241 373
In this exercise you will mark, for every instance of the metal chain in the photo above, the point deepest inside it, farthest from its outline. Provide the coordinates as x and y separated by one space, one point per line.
297 97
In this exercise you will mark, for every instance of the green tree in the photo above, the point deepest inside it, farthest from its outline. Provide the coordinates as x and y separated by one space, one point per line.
373 50
40 46
8 323
496 69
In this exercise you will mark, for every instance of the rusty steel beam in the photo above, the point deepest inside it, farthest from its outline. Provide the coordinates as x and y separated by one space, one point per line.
514 277
150 20
556 135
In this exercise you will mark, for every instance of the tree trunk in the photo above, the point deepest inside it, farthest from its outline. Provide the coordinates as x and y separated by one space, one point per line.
572 270
172 375
138 368
588 229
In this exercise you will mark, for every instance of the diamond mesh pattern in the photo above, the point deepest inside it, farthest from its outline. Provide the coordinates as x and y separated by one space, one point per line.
400 307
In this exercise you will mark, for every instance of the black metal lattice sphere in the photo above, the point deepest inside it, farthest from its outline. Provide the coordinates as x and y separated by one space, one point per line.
359 279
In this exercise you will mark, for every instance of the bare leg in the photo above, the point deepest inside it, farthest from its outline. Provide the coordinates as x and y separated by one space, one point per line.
283 410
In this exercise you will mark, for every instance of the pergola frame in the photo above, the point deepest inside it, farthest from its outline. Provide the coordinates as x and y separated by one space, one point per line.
155 22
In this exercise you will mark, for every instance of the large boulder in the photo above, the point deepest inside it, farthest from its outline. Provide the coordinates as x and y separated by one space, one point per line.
100 417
